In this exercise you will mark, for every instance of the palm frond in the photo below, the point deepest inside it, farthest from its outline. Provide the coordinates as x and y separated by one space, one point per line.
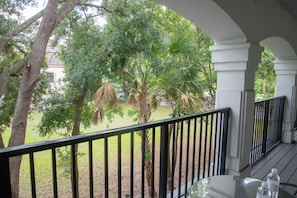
105 96
99 116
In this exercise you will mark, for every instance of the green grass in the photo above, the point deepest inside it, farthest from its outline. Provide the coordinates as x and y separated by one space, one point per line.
43 168
33 136
42 160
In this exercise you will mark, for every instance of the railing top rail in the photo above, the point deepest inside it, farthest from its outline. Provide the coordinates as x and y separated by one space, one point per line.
263 100
50 144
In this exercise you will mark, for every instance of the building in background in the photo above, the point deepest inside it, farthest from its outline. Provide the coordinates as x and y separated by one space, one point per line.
55 68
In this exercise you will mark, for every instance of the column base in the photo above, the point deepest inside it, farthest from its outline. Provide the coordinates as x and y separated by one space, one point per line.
288 137
245 172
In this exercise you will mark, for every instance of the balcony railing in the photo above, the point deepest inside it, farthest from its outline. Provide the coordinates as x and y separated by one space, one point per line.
267 126
169 155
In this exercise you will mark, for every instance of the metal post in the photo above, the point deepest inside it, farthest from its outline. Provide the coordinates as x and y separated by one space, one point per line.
5 183
265 128
224 141
163 161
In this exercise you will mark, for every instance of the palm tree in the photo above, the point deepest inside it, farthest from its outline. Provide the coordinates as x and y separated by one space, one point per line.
180 87
141 83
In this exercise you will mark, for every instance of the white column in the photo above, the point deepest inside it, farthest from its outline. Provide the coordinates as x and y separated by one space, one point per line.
286 85
236 65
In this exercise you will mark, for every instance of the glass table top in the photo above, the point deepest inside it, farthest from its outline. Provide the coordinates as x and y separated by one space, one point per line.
228 186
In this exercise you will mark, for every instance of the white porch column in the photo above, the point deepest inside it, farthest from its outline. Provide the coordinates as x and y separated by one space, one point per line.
235 66
286 85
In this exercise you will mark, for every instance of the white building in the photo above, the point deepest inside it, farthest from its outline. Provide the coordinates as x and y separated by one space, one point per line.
55 67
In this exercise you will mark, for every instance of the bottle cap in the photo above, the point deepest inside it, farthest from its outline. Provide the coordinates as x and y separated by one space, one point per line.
274 170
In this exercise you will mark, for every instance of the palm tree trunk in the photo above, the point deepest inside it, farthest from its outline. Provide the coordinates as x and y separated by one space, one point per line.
144 116
148 164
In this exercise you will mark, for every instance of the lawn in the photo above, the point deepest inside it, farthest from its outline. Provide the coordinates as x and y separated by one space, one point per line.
32 135
43 160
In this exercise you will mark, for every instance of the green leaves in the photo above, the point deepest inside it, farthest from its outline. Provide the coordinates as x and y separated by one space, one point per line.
265 76
181 46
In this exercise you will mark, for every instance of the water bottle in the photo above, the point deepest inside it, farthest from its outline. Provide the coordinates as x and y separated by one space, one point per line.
263 191
273 181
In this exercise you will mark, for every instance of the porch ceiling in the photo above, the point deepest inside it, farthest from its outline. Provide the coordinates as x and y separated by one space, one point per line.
290 6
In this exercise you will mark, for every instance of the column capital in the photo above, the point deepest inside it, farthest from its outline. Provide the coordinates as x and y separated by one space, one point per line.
236 57
286 66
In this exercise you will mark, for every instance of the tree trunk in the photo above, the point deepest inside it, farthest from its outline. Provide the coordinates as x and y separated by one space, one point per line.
1 142
30 78
148 166
169 171
79 101
144 116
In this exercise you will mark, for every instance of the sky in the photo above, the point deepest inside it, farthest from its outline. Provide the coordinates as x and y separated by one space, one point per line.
31 11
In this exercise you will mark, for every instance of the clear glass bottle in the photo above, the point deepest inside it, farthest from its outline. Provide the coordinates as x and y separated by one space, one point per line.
273 181
263 191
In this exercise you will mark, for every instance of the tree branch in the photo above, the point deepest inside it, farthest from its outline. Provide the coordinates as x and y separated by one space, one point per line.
24 25
66 9
18 29
14 70
102 8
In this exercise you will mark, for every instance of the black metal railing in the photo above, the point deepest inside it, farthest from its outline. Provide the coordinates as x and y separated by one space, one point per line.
157 159
267 126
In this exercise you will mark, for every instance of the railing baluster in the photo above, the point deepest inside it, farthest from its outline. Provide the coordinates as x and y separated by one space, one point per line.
106 189
143 147
5 183
153 160
220 141
91 179
173 154
163 161
119 166
224 140
180 158
74 173
215 145
200 146
132 164
210 145
187 154
32 174
205 144
54 172
265 128
194 151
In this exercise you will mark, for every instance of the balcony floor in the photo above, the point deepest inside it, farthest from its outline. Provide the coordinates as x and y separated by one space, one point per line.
284 158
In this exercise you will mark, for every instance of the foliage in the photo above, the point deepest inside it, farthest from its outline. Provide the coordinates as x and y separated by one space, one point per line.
83 75
265 76
15 7
64 159
7 103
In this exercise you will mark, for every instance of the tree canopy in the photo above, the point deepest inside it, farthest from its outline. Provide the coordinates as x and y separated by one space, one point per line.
147 50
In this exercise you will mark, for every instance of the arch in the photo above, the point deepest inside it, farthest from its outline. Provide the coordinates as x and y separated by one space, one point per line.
280 47
210 18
